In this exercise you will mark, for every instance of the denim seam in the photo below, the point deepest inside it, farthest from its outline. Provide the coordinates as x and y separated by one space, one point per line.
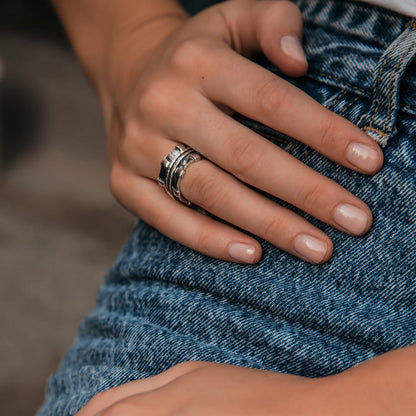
341 95
336 79
349 105
366 93
389 113
390 93
379 132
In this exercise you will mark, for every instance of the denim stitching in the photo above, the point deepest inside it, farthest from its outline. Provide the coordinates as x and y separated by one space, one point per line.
391 84
349 105
343 82
332 104
379 132
339 80
370 126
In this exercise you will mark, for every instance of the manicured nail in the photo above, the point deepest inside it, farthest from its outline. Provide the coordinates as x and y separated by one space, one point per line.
311 248
292 47
363 157
243 253
351 218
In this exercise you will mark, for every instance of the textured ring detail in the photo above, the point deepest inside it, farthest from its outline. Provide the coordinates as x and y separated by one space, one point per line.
173 168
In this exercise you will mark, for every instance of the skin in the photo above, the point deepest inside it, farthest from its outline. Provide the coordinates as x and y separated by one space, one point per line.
165 78
384 386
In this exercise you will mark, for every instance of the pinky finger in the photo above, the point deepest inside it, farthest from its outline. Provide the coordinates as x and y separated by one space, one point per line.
146 199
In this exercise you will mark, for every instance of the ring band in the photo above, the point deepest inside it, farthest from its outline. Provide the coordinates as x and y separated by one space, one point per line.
173 168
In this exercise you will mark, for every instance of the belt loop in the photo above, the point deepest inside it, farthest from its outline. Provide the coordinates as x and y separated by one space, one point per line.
380 121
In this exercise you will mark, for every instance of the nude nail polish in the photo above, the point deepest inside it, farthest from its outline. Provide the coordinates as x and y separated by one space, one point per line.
243 253
363 157
311 248
353 219
293 48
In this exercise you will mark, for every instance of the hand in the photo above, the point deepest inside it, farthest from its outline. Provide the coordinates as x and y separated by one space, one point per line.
181 89
203 388
382 386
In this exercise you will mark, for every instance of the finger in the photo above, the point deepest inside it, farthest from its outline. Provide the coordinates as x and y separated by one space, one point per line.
275 27
258 162
222 195
146 199
108 397
258 94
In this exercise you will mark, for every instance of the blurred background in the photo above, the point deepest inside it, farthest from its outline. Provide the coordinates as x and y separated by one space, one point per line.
60 228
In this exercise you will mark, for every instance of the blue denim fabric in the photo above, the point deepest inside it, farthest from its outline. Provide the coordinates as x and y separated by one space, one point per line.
162 303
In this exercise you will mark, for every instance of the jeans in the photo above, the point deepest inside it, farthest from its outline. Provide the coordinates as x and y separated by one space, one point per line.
162 303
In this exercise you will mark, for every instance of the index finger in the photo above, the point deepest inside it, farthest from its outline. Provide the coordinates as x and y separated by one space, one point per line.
258 94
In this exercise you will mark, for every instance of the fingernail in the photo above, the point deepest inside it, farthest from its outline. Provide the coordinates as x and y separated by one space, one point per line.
353 219
292 47
243 253
310 248
363 157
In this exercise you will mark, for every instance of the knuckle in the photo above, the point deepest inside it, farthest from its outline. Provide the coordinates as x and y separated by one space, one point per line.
277 11
157 218
150 99
312 198
204 242
132 150
272 228
188 54
204 191
271 96
164 99
289 8
326 135
246 156
130 141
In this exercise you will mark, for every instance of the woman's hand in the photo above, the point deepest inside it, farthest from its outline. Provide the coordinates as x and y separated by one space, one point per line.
203 388
383 386
174 79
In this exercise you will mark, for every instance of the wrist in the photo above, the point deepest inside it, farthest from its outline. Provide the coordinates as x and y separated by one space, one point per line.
385 385
104 32
129 48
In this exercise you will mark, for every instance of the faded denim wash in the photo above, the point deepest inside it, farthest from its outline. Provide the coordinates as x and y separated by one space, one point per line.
162 303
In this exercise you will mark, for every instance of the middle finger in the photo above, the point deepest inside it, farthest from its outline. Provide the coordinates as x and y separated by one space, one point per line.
258 162
260 95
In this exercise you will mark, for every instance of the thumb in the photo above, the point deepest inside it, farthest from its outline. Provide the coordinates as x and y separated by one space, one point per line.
275 27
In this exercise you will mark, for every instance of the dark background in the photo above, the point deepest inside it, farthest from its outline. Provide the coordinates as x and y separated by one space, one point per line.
60 228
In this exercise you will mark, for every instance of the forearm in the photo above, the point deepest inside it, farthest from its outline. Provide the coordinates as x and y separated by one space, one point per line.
96 26
386 383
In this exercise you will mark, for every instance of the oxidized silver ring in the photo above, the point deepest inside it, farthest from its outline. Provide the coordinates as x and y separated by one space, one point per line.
173 168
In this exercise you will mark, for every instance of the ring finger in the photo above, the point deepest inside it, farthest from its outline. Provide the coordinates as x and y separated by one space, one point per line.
219 193
258 162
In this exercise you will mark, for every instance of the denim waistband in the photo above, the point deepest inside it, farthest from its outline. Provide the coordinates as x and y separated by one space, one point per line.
345 41
367 50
